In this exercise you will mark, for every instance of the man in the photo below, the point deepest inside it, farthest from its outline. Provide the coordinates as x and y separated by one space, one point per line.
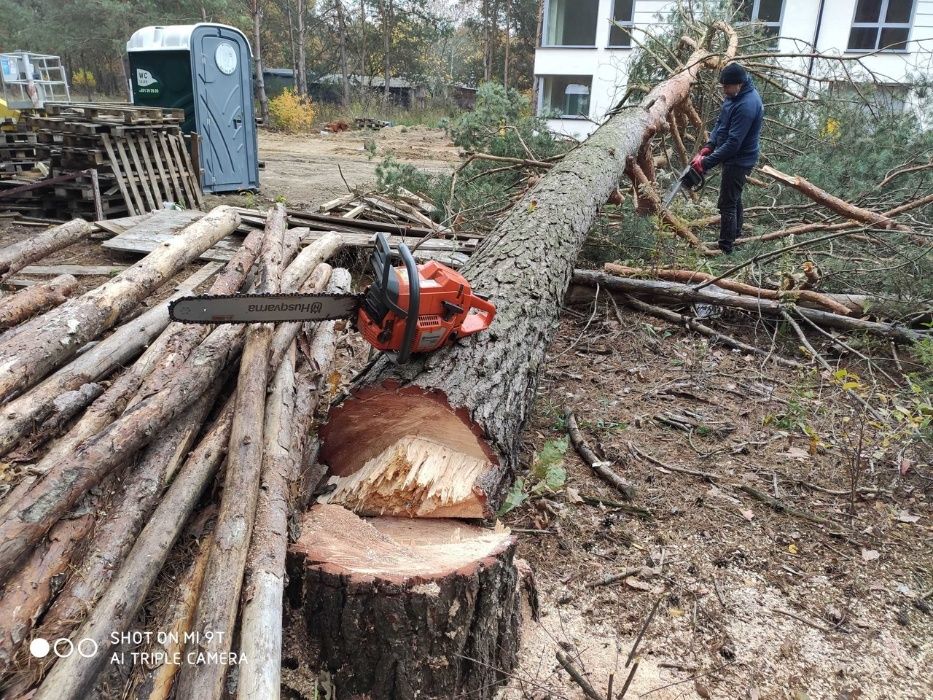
734 144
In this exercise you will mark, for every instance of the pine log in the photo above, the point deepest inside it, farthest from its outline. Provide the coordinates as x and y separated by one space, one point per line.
26 595
691 276
15 257
47 341
831 202
158 686
406 607
35 300
217 608
71 678
25 412
472 399
314 381
717 297
116 531
72 475
261 625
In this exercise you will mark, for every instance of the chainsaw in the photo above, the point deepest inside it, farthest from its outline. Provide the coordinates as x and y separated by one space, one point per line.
406 310
690 180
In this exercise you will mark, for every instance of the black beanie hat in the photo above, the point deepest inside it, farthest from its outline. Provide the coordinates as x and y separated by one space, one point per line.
733 74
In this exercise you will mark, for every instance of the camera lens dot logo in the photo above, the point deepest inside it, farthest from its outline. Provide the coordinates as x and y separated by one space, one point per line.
39 647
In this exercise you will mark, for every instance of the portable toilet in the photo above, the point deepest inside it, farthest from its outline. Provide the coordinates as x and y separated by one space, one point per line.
205 69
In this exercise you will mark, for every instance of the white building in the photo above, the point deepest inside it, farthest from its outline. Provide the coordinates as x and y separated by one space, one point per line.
581 62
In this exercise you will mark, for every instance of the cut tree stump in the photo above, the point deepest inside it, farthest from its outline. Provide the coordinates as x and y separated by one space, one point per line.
406 608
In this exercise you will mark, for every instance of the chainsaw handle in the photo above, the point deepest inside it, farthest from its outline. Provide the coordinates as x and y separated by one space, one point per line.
414 303
474 323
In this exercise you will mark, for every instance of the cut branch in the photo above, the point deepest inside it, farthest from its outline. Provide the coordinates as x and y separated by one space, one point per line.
17 256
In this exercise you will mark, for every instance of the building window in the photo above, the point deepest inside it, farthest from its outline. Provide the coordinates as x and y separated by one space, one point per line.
571 23
565 96
620 32
766 13
881 25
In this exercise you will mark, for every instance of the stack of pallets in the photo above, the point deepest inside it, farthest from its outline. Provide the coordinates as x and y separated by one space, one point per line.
109 160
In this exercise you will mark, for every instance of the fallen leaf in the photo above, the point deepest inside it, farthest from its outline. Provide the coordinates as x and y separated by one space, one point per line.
796 453
754 694
675 612
633 582
792 548
870 554
904 466
702 690
747 514
573 495
905 517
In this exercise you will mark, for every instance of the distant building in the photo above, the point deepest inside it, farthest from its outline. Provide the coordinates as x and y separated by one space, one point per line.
581 64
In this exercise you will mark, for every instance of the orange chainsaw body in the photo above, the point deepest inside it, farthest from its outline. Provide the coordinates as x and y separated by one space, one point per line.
447 310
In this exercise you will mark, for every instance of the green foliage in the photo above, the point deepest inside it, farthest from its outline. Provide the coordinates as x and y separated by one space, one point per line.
547 475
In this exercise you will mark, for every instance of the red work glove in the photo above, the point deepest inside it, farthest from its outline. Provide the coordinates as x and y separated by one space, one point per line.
705 151
697 163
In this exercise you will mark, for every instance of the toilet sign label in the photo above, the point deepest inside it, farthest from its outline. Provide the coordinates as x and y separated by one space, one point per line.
148 85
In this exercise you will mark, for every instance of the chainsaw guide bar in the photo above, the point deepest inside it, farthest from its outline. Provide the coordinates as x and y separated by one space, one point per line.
264 308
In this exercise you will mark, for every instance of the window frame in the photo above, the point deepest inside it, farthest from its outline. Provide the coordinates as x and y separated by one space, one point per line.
756 7
627 26
545 18
880 26
541 92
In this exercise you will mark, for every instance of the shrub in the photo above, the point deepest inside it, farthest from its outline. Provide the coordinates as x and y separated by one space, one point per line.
291 112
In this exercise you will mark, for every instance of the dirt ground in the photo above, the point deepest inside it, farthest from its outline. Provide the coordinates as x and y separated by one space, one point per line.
747 602
309 170
750 602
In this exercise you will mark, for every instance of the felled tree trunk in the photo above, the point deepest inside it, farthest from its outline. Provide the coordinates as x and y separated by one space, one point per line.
406 608
438 437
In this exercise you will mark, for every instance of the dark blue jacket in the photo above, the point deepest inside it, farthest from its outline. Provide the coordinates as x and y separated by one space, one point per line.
734 139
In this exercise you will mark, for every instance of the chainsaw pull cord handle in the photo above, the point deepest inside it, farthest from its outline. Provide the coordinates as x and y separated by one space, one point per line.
414 303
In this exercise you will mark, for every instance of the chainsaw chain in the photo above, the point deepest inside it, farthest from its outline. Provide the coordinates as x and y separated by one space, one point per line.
325 295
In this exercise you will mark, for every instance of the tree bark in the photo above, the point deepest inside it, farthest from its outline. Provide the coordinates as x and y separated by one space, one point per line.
17 256
217 607
256 12
344 59
406 608
25 413
35 300
302 60
44 343
467 404
72 677
387 41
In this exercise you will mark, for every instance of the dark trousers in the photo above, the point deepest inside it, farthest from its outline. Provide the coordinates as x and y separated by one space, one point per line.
730 205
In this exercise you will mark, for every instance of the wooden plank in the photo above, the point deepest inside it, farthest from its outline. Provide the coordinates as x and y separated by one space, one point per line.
115 227
130 177
144 183
167 158
153 145
192 202
130 207
194 180
154 181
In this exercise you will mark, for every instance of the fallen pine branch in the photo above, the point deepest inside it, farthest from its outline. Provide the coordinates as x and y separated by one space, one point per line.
597 465
709 295
840 206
